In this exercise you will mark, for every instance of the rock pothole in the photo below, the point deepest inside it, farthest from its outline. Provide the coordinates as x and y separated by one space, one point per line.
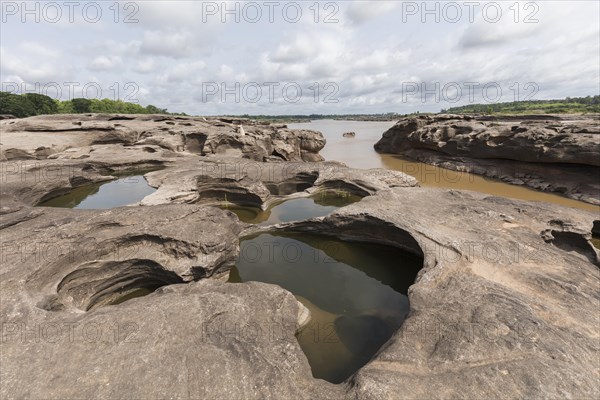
574 242
299 183
98 191
356 288
99 283
570 241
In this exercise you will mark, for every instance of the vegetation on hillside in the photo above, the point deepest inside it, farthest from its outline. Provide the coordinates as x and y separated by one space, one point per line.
30 104
570 105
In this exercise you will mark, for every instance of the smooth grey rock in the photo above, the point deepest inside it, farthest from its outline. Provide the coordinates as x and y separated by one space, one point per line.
502 306
188 178
204 340
32 181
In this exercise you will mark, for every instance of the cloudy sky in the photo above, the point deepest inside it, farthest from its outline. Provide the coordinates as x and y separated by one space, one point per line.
276 57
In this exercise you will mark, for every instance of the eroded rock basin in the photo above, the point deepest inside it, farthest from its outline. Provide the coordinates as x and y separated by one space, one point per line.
127 189
356 293
318 205
501 307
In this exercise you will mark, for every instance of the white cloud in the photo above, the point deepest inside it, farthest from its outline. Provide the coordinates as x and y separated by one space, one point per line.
32 63
177 44
144 66
183 72
504 32
382 58
172 14
104 63
363 11
369 54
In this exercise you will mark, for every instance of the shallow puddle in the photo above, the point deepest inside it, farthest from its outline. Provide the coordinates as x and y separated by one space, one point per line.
126 190
298 209
356 293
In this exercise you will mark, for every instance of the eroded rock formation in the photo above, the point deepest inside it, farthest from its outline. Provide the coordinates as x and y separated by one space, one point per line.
552 153
503 306
218 180
28 138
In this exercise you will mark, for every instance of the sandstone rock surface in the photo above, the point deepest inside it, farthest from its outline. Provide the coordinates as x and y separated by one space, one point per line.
62 338
547 152
243 182
506 304
28 138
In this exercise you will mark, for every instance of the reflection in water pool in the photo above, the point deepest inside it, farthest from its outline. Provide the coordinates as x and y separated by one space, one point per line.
121 192
319 205
359 153
356 293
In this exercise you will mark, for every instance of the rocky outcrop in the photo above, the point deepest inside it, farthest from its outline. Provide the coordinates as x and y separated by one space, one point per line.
242 182
204 340
569 139
502 306
47 156
551 153
204 246
188 179
30 182
64 335
25 138
65 272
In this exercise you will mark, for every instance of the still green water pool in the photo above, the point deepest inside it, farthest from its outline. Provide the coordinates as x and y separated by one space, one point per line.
356 293
127 189
298 209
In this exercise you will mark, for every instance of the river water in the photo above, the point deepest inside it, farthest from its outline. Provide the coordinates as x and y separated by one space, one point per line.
358 152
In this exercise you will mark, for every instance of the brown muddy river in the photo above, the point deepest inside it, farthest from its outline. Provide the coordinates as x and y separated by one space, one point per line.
358 152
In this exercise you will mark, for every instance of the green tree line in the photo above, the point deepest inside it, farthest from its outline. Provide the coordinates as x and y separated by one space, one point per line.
574 105
30 104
